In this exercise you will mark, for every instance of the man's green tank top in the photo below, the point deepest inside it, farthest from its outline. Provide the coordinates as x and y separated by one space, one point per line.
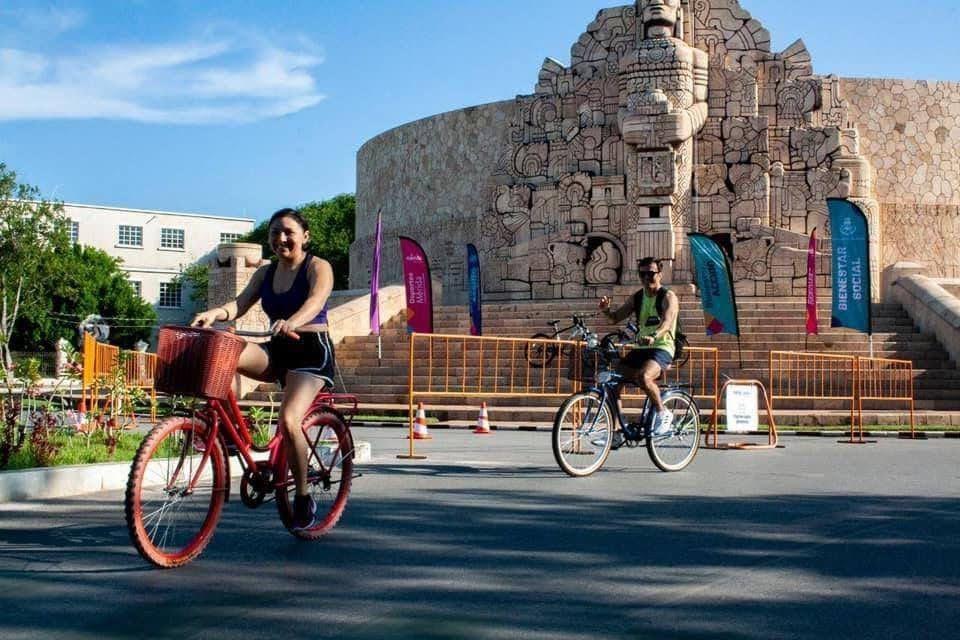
648 320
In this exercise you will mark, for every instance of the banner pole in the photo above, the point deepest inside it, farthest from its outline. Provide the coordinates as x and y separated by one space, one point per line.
740 350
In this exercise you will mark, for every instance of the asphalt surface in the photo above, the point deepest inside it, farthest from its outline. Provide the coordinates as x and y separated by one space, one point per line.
488 539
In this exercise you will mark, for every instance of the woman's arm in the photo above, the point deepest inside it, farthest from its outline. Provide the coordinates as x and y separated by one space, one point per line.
235 308
320 279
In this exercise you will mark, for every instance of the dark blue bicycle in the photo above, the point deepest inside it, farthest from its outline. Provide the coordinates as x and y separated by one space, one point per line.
585 427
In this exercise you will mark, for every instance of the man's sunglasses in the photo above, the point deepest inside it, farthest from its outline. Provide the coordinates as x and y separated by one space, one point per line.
647 274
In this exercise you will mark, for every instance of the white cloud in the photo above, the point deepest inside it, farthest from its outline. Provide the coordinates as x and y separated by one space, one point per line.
48 21
208 81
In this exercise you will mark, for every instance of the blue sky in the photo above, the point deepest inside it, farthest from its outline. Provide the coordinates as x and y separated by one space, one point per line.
242 107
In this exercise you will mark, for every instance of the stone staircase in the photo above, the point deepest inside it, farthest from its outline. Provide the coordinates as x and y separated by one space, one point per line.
766 324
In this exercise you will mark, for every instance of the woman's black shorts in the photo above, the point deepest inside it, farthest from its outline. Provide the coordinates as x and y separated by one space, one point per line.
312 355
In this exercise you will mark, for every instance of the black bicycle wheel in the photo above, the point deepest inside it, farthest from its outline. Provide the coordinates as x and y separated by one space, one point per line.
541 352
676 449
582 434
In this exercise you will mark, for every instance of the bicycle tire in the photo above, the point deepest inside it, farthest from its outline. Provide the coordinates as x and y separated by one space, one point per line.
330 460
540 354
166 459
676 450
575 441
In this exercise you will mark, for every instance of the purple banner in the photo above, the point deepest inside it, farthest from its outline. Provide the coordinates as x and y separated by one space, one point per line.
375 280
812 328
416 280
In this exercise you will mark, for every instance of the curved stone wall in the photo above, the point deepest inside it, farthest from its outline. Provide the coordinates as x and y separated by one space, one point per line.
431 179
910 133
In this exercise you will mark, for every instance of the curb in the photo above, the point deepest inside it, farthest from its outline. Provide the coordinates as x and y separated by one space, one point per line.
62 482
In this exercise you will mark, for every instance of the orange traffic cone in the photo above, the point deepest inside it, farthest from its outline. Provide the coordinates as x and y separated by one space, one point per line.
420 425
483 422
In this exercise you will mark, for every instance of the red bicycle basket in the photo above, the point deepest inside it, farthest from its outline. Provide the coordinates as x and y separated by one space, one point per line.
197 361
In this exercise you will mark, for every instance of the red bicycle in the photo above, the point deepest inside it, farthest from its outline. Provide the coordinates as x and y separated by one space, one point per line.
180 477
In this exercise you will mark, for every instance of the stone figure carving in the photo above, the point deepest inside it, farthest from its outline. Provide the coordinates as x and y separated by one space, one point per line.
674 116
663 95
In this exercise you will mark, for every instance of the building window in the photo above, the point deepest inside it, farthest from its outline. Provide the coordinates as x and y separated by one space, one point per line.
74 231
229 237
171 238
130 236
137 287
170 295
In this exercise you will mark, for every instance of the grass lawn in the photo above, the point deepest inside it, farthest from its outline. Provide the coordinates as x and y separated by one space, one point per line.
73 449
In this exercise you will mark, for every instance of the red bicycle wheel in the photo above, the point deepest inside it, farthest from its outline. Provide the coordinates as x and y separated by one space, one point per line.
329 474
170 523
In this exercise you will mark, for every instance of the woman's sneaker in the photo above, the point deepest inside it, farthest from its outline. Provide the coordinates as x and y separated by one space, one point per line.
662 423
304 512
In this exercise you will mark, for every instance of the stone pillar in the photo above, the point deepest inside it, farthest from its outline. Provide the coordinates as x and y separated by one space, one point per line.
232 269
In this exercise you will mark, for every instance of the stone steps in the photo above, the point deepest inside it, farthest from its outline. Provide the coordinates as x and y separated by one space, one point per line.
767 324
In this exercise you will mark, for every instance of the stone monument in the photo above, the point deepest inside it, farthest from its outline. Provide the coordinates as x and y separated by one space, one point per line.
673 116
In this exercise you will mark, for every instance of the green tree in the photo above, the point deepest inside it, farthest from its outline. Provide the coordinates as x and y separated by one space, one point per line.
31 231
78 282
47 285
197 278
331 233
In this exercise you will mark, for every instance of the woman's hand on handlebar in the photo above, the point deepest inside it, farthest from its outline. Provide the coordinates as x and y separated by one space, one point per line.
280 327
206 318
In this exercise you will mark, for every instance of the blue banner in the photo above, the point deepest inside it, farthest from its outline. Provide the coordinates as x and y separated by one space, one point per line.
473 278
716 286
850 246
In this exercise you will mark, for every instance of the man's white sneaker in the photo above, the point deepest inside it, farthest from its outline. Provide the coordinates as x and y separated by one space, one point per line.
663 423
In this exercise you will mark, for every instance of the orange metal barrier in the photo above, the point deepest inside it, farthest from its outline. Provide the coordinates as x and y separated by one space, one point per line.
485 367
818 376
886 380
796 375
100 360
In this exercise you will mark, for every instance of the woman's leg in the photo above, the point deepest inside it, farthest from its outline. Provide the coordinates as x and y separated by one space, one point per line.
298 394
254 363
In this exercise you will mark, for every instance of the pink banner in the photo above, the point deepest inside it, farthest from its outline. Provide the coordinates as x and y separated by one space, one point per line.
375 280
416 280
812 328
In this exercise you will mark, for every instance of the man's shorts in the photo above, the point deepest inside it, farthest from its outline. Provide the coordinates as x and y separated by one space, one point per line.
312 355
636 358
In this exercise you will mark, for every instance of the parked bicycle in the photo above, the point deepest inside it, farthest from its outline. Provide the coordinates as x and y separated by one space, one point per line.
585 426
180 477
546 347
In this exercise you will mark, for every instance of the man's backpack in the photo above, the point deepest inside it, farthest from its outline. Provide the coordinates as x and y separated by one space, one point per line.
680 341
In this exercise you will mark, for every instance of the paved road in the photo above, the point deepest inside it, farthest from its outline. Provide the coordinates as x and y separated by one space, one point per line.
487 539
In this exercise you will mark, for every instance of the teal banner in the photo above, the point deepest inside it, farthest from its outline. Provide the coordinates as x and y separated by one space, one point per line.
473 279
716 286
850 248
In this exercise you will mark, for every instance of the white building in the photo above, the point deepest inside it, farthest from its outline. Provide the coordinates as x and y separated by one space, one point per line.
154 247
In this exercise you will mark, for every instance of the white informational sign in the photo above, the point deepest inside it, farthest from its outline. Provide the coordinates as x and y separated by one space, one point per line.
742 412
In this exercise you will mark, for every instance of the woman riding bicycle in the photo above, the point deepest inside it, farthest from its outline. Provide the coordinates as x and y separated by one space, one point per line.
293 292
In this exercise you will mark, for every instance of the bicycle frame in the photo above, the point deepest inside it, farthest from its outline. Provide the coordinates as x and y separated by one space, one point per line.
227 414
610 396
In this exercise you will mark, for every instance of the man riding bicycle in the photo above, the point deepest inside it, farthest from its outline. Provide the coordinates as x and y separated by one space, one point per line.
656 309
